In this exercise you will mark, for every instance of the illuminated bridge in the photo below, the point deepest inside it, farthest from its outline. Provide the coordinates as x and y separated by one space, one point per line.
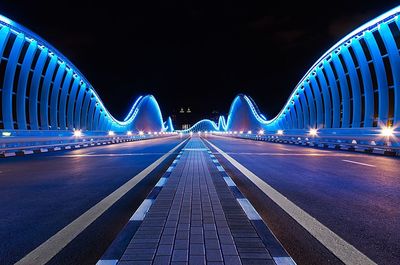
353 89
317 184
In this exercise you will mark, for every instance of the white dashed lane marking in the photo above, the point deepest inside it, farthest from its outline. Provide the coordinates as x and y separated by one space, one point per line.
357 163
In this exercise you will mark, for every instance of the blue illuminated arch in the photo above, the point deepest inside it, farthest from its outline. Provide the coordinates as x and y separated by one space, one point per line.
42 90
353 85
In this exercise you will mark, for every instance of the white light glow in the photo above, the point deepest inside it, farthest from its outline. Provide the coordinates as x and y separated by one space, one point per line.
111 133
241 132
141 132
313 132
261 132
387 131
6 134
128 133
78 133
279 132
248 132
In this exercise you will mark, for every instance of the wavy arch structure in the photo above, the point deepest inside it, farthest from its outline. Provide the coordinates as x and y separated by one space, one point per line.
42 90
353 85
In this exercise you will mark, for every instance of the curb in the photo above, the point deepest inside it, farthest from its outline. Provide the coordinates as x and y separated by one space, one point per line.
277 251
335 146
69 146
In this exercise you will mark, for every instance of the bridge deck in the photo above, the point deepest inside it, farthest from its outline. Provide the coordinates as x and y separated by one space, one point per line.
196 219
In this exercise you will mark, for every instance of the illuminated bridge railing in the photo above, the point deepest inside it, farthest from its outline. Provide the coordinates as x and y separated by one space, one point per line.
353 89
355 84
43 91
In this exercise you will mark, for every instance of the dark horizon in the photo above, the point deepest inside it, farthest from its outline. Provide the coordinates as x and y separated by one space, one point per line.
189 55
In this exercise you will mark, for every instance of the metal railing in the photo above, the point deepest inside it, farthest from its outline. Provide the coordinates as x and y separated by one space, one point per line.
369 141
19 141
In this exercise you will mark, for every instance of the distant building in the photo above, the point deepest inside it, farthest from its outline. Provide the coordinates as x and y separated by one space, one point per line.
182 119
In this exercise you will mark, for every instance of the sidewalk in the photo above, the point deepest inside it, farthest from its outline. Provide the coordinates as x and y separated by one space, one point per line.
200 217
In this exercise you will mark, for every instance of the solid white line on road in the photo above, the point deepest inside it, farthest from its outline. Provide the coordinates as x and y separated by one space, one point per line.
338 246
142 210
47 250
358 163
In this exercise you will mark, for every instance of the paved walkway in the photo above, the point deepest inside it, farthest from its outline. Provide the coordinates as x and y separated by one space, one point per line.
196 219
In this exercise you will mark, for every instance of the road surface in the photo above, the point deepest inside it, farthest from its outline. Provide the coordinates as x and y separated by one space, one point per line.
357 196
41 194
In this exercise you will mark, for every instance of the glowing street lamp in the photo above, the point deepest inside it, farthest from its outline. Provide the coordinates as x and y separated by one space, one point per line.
6 134
313 132
111 133
387 131
261 132
279 132
77 133
248 132
141 132
129 133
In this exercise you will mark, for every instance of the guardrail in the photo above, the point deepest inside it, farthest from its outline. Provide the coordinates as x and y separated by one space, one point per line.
371 141
29 142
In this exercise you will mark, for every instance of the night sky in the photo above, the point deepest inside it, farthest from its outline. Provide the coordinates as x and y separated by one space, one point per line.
197 54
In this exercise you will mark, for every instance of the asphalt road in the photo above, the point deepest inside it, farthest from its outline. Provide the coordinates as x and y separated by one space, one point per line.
41 194
357 196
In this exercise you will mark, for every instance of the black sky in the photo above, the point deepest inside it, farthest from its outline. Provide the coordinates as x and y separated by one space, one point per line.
193 53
